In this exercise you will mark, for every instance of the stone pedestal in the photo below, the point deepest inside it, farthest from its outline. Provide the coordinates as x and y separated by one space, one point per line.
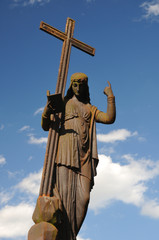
47 217
42 231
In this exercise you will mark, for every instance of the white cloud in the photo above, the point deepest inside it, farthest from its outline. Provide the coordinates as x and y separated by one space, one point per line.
19 217
116 135
31 183
2 160
151 209
5 197
39 111
24 128
15 220
80 238
126 183
25 3
151 9
37 141
1 127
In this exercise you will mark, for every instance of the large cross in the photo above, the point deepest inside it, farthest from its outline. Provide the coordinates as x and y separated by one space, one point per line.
68 42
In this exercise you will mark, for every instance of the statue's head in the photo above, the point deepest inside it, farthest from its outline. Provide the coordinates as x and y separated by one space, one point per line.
79 87
78 83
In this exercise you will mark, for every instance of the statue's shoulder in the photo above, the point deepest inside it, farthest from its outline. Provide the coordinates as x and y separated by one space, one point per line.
93 108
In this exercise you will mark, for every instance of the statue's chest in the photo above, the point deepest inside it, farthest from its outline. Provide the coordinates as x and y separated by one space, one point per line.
76 109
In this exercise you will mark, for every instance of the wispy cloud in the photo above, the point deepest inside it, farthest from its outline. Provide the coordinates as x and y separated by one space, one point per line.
2 160
25 3
39 111
106 150
126 183
151 9
1 127
5 197
37 141
89 1
24 128
30 158
15 174
116 135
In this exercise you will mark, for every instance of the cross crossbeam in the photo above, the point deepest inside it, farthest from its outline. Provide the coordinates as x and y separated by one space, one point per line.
63 36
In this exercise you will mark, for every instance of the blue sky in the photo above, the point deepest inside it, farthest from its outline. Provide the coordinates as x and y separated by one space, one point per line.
125 200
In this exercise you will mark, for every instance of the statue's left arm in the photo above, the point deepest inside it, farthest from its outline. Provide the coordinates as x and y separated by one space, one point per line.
110 115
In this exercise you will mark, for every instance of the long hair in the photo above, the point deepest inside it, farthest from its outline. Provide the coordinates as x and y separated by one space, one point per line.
85 98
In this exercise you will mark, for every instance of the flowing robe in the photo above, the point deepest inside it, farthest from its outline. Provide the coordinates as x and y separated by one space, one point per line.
76 164
76 161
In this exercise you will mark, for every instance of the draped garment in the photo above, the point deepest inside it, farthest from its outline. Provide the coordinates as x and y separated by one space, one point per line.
76 163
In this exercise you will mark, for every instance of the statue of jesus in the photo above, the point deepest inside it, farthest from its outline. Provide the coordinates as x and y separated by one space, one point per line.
77 158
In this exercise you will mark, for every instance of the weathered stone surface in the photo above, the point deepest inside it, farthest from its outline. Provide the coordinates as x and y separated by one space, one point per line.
42 231
47 210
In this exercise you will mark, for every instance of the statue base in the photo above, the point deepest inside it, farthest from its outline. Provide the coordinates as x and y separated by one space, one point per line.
47 217
42 231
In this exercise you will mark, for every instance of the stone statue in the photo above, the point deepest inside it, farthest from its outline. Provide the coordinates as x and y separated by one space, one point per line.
77 158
